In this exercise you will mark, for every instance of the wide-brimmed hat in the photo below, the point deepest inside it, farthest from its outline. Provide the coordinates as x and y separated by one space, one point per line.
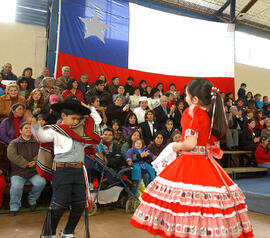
72 105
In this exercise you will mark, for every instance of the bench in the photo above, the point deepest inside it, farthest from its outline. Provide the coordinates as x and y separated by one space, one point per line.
241 170
231 153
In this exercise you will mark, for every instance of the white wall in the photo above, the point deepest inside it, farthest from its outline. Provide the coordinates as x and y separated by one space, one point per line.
23 46
257 79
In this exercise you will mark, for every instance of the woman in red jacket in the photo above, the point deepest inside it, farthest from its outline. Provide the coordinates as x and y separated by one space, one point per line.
72 89
262 154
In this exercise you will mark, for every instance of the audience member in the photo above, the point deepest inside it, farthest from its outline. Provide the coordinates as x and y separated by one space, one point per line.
163 113
99 91
10 98
148 90
135 98
94 107
259 103
242 91
266 131
121 93
142 86
22 153
259 121
2 86
130 124
62 81
23 87
160 87
148 127
240 105
171 100
27 73
48 88
140 111
249 97
9 127
129 85
117 111
113 87
262 154
137 157
266 110
178 114
154 100
227 104
118 136
175 137
248 139
157 146
105 82
167 131
35 102
45 73
72 89
7 74
134 135
84 85
172 89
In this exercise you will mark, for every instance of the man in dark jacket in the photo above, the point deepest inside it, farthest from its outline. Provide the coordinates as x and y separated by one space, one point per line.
98 90
22 153
83 85
162 113
129 86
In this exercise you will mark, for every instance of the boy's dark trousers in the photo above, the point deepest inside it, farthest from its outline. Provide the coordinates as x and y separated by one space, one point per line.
69 191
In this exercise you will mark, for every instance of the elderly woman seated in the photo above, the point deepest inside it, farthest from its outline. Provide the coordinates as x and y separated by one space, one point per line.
48 88
10 98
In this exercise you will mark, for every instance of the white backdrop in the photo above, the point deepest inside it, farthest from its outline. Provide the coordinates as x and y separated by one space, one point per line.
170 44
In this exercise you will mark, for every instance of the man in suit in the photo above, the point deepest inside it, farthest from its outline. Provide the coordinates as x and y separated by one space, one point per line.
163 113
148 127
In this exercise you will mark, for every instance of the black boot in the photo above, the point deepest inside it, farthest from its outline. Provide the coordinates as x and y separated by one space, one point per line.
74 217
53 217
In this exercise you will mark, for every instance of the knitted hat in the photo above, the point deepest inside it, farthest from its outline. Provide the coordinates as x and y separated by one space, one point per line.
54 98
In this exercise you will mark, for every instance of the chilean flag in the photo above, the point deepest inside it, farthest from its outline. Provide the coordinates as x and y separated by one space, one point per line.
118 38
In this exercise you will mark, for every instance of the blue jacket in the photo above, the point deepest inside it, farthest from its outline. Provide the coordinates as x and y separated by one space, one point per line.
134 154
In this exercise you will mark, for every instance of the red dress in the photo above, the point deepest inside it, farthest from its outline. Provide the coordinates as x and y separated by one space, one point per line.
190 197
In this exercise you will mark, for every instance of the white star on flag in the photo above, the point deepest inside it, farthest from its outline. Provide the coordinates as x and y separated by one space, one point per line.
94 27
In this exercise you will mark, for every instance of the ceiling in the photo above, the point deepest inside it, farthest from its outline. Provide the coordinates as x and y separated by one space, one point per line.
257 16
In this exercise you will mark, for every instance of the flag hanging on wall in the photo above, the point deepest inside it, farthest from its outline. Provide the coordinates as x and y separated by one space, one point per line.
118 38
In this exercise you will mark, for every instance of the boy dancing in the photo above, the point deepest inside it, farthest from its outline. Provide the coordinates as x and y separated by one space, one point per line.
68 177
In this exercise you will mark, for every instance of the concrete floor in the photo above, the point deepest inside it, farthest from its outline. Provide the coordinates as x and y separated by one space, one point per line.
105 224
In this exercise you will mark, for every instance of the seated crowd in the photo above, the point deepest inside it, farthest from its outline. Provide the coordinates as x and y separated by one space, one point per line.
134 122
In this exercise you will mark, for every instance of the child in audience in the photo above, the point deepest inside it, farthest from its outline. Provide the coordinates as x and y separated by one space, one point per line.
157 146
175 137
118 136
137 157
262 154
242 91
258 101
248 139
259 120
167 131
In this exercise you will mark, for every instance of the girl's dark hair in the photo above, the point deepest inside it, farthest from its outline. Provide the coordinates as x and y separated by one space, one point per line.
157 134
116 121
162 86
70 82
171 84
250 94
153 91
256 115
201 88
173 135
92 99
127 119
142 81
131 134
248 121
20 80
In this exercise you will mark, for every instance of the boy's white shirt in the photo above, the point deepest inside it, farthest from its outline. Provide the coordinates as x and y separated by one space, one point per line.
94 114
62 144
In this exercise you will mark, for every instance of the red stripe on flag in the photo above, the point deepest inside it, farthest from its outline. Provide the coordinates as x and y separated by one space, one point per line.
94 69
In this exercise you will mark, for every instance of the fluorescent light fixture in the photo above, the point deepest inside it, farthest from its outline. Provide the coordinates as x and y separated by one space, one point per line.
8 9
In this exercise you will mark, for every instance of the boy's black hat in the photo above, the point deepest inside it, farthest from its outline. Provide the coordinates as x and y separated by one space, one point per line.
72 105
